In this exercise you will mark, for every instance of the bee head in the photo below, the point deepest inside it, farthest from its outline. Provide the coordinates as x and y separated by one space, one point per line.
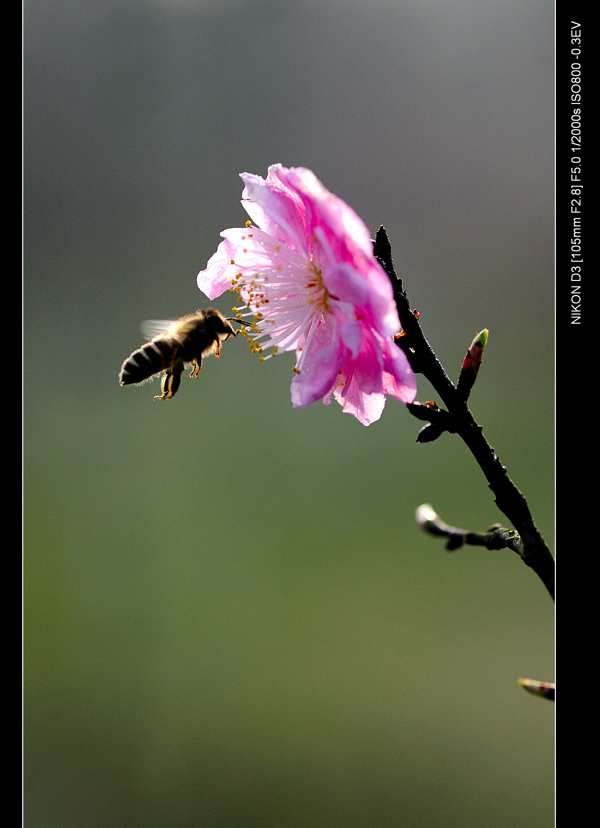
220 324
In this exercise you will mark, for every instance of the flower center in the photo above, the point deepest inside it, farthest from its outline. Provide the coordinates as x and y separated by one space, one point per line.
317 293
283 299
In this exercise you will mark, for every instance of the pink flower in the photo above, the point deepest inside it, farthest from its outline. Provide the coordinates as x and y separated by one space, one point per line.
308 277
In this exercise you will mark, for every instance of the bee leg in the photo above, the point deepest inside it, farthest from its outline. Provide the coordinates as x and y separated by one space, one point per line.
170 383
197 365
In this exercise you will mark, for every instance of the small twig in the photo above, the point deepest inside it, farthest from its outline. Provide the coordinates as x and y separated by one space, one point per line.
496 537
539 688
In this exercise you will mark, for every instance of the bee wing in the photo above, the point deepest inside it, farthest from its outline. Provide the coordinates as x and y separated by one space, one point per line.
155 327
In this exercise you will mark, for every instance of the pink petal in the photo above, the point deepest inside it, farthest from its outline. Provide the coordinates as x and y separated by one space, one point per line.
216 278
399 380
366 369
367 408
275 209
320 363
352 336
346 232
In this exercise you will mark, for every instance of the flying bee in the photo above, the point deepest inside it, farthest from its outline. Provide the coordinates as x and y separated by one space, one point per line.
179 344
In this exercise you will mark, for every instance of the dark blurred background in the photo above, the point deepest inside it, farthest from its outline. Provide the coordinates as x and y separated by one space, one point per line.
231 617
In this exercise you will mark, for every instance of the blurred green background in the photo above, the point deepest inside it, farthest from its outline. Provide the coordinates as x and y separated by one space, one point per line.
231 618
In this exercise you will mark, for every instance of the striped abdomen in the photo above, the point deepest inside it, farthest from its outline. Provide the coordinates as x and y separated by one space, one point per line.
156 355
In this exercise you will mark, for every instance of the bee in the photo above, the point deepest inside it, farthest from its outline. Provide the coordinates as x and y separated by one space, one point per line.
179 344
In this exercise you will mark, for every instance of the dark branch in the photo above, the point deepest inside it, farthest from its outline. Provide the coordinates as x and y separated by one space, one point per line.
459 420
